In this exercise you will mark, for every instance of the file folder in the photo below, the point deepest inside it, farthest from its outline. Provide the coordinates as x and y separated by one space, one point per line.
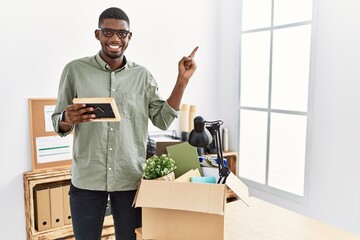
185 157
66 204
56 207
42 209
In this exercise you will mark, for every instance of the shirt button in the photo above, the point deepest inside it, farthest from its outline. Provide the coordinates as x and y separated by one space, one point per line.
110 149
113 73
111 129
110 168
113 89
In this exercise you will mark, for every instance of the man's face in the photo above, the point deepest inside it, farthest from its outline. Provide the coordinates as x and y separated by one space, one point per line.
113 47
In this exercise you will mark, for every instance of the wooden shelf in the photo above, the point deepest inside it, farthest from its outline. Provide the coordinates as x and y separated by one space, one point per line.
31 179
231 160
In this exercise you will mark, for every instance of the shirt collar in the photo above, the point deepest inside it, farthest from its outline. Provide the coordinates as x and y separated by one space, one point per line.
106 66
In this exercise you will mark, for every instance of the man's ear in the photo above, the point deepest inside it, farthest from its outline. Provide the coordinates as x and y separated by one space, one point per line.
97 34
130 35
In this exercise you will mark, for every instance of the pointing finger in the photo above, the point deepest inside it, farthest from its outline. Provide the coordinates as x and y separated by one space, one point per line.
193 52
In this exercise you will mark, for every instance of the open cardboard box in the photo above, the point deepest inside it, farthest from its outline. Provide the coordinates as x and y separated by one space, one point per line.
183 210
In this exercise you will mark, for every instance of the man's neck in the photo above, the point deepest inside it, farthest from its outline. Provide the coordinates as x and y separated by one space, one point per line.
114 63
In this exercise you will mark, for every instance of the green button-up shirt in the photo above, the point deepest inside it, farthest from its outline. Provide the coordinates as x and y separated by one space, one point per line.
110 156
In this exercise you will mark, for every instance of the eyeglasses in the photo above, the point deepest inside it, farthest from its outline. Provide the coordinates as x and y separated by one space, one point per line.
108 32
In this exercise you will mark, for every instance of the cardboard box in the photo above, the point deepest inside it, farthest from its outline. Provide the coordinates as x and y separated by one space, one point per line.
181 210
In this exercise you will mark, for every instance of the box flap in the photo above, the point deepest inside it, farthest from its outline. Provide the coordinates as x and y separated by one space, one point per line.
197 197
238 187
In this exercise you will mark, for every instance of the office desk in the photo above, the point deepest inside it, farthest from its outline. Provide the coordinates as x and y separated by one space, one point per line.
264 221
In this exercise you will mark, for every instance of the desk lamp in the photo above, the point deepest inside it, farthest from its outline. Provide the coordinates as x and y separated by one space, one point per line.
202 135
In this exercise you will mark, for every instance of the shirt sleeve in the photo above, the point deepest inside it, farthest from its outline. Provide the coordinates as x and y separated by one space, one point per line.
161 113
66 93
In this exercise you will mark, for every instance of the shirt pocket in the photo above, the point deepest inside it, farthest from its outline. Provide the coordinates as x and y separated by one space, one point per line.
127 103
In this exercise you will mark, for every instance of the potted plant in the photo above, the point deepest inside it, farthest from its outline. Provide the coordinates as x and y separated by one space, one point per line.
160 168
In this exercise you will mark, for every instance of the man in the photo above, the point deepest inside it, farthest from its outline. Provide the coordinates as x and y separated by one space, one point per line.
108 157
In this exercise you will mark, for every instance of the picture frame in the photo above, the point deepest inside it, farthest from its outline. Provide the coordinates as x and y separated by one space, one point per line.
105 109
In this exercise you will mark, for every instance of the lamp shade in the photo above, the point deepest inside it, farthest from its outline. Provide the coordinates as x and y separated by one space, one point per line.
199 136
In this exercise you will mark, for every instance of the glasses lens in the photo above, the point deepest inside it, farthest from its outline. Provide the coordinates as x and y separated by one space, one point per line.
107 32
122 33
110 32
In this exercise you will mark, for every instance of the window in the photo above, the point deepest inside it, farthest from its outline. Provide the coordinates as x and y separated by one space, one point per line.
274 90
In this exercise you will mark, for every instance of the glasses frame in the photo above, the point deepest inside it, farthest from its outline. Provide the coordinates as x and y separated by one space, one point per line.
120 33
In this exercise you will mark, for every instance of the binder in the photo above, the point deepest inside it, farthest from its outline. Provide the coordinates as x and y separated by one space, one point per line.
56 207
66 204
42 209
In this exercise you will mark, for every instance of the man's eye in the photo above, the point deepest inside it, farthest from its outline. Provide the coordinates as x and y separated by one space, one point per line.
107 32
123 33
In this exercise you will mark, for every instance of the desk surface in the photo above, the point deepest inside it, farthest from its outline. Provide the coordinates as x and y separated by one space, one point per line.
266 221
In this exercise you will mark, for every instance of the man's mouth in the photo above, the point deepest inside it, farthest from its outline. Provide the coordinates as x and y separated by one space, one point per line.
114 46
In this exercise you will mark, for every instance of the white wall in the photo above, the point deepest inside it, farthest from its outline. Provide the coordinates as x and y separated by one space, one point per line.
39 37
334 157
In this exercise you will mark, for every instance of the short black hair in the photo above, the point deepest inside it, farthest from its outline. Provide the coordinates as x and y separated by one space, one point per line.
115 13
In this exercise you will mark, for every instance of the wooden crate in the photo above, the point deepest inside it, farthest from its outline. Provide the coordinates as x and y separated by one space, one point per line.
48 176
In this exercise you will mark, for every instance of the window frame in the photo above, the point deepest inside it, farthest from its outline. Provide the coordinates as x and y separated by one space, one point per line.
265 188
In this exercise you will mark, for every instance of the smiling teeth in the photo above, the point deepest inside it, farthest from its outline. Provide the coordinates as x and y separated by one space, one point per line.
114 46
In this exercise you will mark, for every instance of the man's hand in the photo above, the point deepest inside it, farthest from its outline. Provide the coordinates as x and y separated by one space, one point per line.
187 66
77 113
74 114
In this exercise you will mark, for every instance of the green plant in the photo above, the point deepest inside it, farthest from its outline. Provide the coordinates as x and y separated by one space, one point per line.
158 166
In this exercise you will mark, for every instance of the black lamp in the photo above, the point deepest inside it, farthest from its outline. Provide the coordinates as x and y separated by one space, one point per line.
203 134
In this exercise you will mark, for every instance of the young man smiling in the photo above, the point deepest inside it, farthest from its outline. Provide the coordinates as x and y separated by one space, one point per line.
108 157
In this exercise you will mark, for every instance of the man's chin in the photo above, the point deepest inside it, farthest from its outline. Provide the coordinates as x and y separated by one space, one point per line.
114 55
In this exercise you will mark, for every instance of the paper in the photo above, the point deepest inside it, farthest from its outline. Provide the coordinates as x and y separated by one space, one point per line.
54 148
48 111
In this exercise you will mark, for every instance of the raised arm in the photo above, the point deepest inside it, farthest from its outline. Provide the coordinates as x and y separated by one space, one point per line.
187 67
